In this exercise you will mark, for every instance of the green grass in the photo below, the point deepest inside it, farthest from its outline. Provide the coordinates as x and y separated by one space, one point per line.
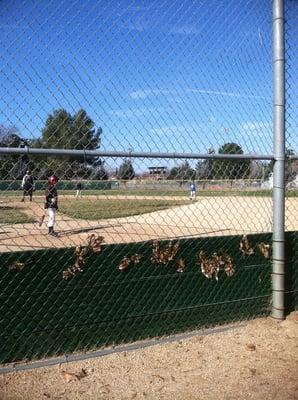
104 209
173 193
10 215
158 192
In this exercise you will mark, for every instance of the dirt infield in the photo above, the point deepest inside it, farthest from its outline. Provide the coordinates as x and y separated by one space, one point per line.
255 361
208 216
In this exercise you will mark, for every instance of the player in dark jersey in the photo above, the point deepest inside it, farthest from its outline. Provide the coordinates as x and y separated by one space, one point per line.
51 203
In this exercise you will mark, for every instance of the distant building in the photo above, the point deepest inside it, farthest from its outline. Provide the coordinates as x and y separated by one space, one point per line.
157 172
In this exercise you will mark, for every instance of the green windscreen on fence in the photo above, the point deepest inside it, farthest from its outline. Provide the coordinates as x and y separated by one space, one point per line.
63 185
291 271
43 314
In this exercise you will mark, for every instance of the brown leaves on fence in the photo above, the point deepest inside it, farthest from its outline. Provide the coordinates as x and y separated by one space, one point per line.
95 242
164 255
81 253
228 264
245 246
16 266
181 265
211 266
264 249
127 261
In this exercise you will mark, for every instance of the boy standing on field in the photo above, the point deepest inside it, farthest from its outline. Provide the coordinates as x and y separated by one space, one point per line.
28 185
79 189
192 189
51 203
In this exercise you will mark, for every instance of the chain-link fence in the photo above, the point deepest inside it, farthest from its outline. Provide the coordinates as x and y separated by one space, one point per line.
291 142
291 30
136 171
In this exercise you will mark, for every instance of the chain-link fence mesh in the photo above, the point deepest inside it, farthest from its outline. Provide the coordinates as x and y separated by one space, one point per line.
291 167
125 247
291 29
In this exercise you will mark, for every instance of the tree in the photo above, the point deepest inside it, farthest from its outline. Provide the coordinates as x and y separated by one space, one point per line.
290 171
100 172
205 170
231 169
13 166
63 130
126 170
182 172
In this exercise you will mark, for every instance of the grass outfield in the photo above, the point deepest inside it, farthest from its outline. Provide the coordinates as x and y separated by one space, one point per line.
104 209
156 192
10 215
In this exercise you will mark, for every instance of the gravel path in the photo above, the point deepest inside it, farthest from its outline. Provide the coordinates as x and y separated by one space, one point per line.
257 361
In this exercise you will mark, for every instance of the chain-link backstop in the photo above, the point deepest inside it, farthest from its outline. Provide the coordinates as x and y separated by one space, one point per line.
157 120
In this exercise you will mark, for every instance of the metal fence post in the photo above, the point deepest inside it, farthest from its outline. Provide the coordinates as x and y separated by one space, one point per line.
278 273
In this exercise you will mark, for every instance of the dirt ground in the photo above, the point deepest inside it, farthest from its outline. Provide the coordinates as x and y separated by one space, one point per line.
256 360
208 216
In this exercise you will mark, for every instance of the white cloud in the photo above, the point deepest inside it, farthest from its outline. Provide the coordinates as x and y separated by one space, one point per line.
256 126
140 94
143 94
189 128
134 112
185 30
223 93
213 92
168 130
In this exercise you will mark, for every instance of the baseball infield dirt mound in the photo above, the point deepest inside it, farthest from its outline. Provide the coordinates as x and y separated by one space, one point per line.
208 216
255 361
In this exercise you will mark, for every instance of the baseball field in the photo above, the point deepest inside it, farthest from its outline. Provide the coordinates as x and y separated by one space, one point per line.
123 218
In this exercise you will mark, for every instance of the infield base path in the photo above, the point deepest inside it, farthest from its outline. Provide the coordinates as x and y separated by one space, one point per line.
207 216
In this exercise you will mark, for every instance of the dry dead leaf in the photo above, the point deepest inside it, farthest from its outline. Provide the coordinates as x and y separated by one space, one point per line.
164 255
250 347
67 274
125 262
264 249
16 266
245 246
159 376
95 242
136 258
81 253
181 265
70 376
210 267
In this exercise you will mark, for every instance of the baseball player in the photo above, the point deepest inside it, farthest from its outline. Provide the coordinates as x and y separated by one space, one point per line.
79 189
51 203
192 189
28 185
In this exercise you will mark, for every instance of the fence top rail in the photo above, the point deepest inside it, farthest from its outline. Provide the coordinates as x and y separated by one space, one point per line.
131 154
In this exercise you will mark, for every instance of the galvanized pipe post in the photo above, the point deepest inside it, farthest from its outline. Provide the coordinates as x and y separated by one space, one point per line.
278 273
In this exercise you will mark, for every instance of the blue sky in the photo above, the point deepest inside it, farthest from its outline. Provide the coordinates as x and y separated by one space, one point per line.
155 75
